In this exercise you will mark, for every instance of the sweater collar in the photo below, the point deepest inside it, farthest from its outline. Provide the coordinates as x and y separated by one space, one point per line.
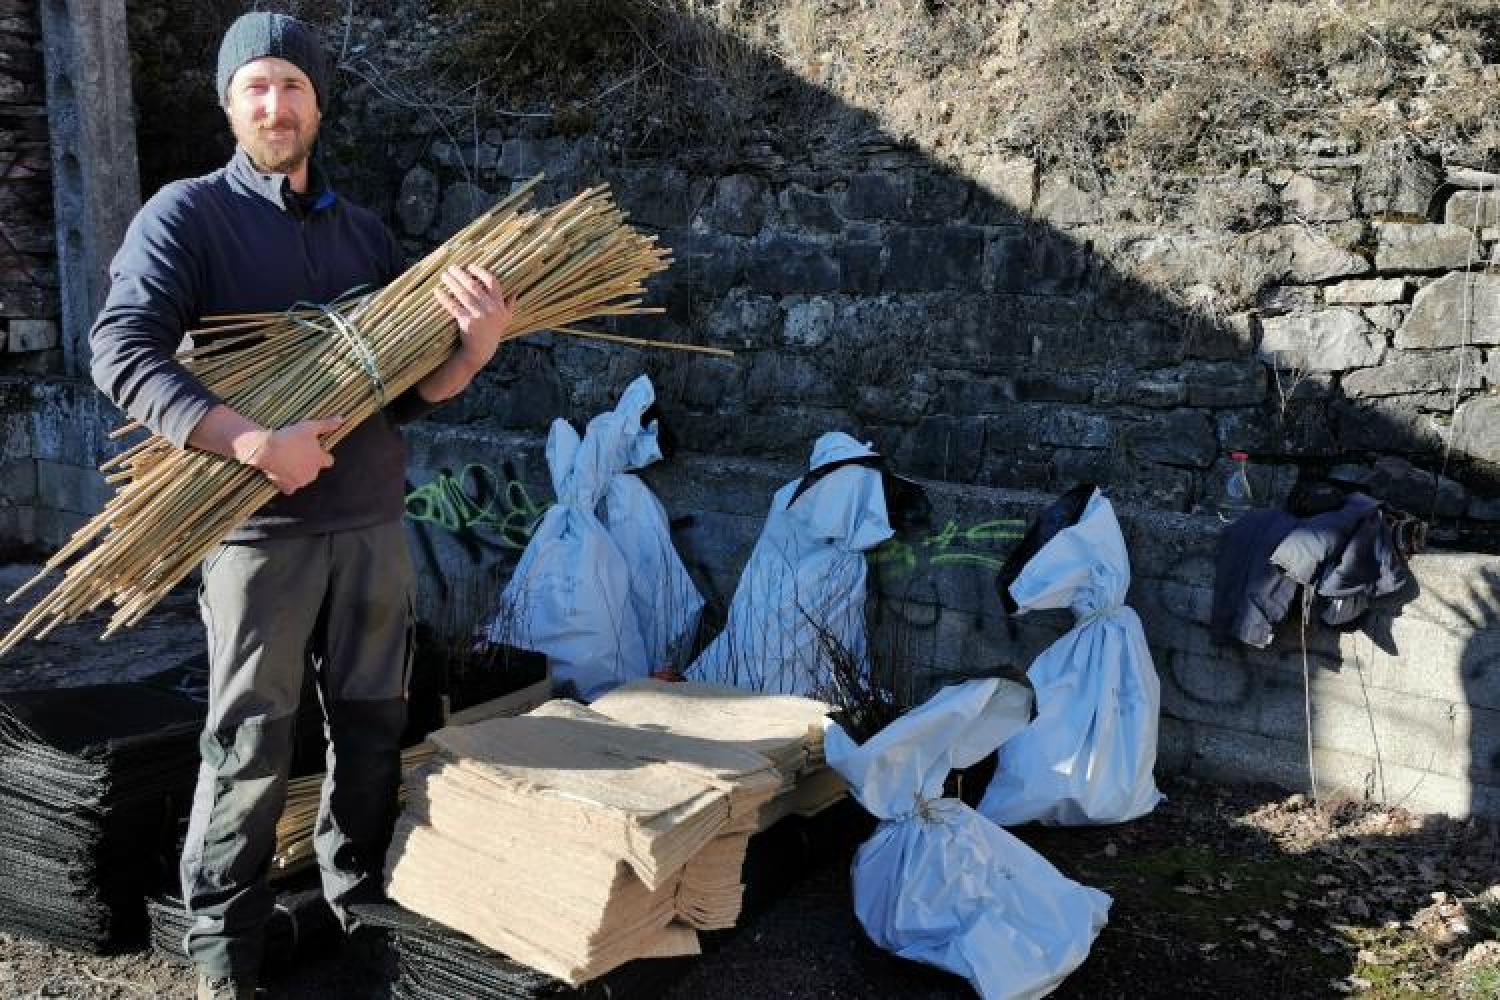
277 188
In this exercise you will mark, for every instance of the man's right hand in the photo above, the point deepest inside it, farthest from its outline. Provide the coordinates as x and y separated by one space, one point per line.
293 456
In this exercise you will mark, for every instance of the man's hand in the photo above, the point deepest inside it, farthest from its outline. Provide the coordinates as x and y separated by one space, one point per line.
290 457
473 297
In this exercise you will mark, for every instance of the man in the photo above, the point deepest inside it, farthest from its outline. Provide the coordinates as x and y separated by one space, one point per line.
323 568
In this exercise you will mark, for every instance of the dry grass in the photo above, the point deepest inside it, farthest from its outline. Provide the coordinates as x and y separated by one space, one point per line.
1089 84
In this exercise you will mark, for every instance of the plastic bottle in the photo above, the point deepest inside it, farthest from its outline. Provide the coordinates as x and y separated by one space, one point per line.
1238 496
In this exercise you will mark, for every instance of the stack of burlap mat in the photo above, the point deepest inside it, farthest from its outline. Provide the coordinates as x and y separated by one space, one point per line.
576 839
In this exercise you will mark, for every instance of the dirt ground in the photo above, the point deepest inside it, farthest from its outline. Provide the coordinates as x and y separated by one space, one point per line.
1221 892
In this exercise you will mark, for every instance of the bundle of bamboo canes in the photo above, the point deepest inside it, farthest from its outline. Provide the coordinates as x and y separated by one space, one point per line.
575 261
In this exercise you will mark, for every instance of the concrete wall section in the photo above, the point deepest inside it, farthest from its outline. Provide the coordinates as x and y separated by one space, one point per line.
96 188
28 271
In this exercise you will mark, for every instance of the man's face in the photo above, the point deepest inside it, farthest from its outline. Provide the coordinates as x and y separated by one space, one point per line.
273 111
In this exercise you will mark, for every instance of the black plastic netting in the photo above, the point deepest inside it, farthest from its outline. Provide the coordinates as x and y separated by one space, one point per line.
301 925
94 784
432 962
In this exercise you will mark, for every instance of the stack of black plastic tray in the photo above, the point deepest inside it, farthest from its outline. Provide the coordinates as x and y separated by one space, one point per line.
432 962
301 924
94 782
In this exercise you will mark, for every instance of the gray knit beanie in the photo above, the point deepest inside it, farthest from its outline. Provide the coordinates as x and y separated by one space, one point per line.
260 34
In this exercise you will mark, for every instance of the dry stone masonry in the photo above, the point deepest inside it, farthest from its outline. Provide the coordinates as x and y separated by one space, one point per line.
1001 331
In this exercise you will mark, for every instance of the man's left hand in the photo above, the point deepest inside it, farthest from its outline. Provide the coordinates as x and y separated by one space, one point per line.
474 299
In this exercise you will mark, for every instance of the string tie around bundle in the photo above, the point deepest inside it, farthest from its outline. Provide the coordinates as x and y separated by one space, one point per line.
331 318
928 810
1098 614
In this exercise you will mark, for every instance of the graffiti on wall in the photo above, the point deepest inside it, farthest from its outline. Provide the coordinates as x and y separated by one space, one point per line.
981 546
489 515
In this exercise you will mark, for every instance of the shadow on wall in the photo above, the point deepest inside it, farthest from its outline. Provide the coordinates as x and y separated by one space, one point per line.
988 323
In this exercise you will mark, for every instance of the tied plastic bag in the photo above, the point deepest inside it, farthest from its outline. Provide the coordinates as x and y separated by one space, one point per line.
604 598
1088 755
939 883
801 600
663 597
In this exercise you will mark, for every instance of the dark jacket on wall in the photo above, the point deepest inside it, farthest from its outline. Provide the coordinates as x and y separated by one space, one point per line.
1346 557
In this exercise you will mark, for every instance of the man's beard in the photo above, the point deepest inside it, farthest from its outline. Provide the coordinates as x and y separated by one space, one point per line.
279 158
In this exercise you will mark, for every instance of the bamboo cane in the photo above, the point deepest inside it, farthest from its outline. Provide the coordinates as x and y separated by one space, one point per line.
567 264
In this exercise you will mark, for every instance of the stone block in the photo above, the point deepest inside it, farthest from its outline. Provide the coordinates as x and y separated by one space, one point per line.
934 259
1399 424
1404 372
945 447
1222 692
1174 747
417 206
1327 340
1245 758
1177 437
656 197
1394 727
1386 318
1070 466
1402 246
809 322
1473 209
785 264
778 377
1477 428
964 395
54 528
1402 484
462 203
1224 339
939 196
1154 390
1318 198
878 195
27 335
1439 312
748 320
1055 387
18 480
739 205
1368 291
18 524
707 264
862 266
1303 254
1398 182
1075 428
1034 260
1224 383
803 208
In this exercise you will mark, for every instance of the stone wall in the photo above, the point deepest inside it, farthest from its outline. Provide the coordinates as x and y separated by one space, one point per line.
1406 710
28 269
986 324
1002 333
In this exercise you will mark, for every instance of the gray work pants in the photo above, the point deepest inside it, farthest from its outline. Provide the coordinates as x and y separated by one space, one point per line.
340 604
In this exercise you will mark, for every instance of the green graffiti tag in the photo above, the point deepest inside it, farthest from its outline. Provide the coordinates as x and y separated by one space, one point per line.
477 504
952 546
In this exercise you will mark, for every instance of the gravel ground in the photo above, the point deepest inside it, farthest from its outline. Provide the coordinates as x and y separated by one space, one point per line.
1222 892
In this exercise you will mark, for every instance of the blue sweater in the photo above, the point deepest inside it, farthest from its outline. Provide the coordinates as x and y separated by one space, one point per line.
237 241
